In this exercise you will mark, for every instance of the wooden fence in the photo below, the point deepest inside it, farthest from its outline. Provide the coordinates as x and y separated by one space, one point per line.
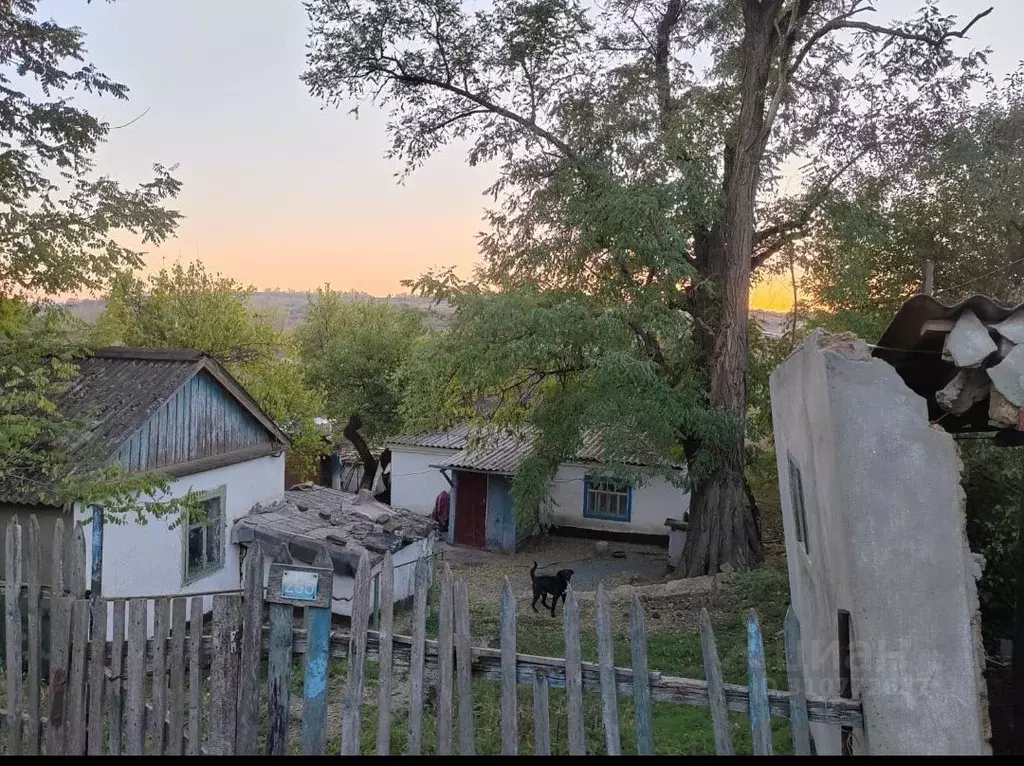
227 689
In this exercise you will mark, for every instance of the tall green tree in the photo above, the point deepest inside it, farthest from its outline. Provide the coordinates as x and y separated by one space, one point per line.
188 307
62 229
640 147
352 350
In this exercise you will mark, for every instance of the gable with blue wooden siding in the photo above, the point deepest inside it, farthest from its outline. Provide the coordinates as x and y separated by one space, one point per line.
201 419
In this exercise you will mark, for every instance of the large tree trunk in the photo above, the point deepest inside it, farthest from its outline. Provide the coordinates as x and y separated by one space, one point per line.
722 527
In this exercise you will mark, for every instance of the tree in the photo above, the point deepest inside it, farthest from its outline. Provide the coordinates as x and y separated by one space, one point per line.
188 307
641 147
961 208
61 230
352 350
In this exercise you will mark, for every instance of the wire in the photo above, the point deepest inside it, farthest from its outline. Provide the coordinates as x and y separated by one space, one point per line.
983 276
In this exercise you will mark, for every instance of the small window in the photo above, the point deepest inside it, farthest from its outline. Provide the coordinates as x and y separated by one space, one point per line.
204 538
607 500
796 494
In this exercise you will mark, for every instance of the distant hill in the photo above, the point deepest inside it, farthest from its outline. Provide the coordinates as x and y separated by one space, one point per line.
290 306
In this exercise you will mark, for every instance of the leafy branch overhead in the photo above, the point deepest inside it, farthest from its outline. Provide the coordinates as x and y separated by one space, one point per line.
649 155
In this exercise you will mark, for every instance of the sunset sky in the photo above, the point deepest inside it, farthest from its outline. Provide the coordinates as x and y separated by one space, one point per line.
280 193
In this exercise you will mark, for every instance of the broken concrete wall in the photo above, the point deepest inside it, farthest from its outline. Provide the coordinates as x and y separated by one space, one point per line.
875 527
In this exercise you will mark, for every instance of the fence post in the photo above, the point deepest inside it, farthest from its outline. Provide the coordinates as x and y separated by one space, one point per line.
314 687
158 683
136 671
116 715
797 695
97 662
248 705
445 641
176 696
385 647
34 592
716 688
227 627
195 645
641 681
464 657
606 663
573 673
12 626
760 715
541 720
279 668
509 711
419 634
60 653
352 700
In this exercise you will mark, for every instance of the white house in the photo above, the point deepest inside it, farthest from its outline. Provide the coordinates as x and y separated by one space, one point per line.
477 478
180 414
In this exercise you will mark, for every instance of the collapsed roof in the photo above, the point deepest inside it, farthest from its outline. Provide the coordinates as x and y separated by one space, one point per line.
309 517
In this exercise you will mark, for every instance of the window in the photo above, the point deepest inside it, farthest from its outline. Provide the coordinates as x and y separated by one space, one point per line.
204 538
607 500
796 494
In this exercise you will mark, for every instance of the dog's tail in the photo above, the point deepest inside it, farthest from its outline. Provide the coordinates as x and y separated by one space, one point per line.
533 569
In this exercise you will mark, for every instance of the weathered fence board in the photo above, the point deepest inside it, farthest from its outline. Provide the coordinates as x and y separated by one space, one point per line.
509 707
195 647
34 671
74 570
158 684
445 642
795 677
134 734
76 681
573 674
60 654
57 561
641 683
116 685
248 704
464 669
760 717
227 626
97 664
716 688
176 680
606 661
541 718
12 626
386 618
419 631
314 687
352 700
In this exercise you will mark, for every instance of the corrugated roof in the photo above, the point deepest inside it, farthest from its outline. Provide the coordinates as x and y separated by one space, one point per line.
452 438
309 517
118 389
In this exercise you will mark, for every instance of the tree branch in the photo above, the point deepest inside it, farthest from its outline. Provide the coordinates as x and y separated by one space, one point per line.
933 41
445 123
662 76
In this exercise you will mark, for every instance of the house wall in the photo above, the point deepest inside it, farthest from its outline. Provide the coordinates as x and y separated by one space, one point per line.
653 501
148 559
200 420
414 484
886 542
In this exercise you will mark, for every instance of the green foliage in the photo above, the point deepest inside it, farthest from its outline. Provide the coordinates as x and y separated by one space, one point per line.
187 307
353 350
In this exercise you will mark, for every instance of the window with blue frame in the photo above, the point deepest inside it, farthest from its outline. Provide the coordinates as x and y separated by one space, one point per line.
603 499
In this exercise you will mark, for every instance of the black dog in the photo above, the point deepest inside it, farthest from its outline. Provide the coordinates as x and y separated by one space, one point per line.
555 585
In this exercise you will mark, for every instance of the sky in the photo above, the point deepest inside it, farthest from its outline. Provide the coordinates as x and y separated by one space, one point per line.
282 193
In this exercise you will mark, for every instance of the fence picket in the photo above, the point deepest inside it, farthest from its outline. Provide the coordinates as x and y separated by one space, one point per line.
641 681
195 645
12 625
445 643
60 654
797 691
279 674
74 568
509 711
97 664
76 680
57 560
419 631
134 708
34 672
464 669
716 687
158 684
386 616
606 660
115 697
176 679
352 701
248 704
573 673
314 688
541 719
227 626
760 715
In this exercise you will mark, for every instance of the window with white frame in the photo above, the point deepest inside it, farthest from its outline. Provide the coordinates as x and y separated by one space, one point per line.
204 537
603 499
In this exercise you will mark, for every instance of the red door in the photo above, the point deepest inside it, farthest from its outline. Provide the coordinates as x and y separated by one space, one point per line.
471 509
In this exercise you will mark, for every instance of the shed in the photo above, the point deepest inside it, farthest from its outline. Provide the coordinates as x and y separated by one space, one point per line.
308 518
